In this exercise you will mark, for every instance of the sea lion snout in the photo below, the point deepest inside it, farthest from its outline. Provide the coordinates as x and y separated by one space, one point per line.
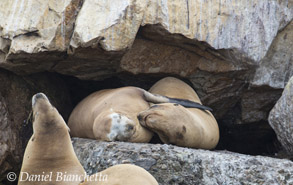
37 97
122 127
148 117
139 117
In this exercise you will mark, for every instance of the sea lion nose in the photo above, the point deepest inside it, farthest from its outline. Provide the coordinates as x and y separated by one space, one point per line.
139 117
40 95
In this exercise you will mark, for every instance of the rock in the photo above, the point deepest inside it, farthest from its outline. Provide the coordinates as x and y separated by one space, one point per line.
213 24
281 118
215 80
92 34
276 67
176 165
236 25
15 106
256 104
35 34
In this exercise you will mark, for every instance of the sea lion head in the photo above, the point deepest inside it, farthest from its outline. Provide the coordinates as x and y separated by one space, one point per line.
122 127
45 116
114 126
158 118
159 113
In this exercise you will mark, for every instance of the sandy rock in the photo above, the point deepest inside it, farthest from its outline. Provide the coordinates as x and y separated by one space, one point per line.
36 33
87 35
211 22
238 25
281 118
176 165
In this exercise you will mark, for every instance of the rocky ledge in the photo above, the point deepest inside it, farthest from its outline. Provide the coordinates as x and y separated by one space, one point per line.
176 165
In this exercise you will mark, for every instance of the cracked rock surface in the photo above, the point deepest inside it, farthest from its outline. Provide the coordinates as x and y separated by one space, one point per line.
176 165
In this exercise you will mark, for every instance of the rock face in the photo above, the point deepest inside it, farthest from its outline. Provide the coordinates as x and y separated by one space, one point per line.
276 67
281 118
243 30
176 165
35 33
15 105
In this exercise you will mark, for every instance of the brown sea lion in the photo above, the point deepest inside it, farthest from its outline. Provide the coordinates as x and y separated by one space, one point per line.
175 124
49 157
122 174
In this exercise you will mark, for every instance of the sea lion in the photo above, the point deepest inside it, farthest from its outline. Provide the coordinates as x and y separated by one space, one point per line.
50 159
122 174
175 124
49 156
111 115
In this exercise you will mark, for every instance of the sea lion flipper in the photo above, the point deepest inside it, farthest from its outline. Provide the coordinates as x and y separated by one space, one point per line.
155 98
189 104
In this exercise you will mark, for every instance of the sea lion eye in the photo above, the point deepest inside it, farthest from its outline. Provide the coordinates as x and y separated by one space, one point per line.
176 104
130 127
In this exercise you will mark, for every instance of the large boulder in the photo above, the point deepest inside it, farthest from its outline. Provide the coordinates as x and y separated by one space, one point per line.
15 106
175 165
86 34
34 35
281 118
276 68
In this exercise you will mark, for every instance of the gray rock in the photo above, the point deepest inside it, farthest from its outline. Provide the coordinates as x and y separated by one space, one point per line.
176 165
276 68
93 34
281 118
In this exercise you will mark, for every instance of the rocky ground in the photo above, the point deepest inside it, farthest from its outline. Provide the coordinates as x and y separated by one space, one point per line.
176 165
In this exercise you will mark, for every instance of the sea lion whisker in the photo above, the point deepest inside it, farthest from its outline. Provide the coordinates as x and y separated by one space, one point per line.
29 118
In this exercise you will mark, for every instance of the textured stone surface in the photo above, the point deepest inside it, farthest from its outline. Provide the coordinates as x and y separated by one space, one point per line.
216 80
8 138
243 30
15 105
281 118
212 22
176 165
256 104
35 34
276 67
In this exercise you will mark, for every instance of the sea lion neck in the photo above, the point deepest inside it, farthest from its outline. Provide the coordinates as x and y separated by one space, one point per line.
43 144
